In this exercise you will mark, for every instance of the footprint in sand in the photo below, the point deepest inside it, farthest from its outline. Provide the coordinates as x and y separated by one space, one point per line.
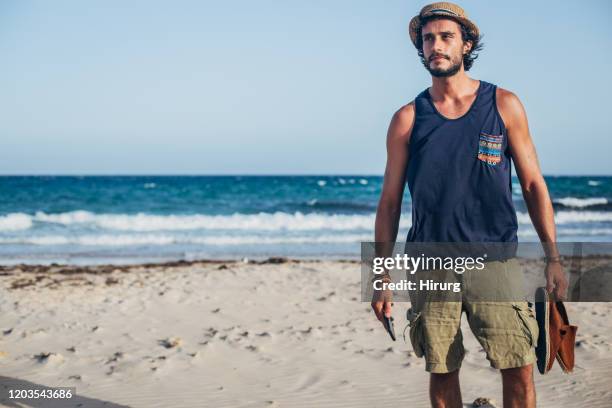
324 298
33 333
390 349
211 332
307 381
170 342
48 358
115 357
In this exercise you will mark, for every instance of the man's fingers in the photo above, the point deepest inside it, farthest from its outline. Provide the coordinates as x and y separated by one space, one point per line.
561 290
549 285
559 293
382 309
387 309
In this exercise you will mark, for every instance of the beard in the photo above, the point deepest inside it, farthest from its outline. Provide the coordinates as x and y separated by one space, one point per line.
444 72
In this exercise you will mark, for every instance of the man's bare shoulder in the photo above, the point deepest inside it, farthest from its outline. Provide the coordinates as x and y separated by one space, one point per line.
405 114
402 122
509 106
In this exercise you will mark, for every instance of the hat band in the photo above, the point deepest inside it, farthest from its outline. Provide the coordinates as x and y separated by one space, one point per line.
442 11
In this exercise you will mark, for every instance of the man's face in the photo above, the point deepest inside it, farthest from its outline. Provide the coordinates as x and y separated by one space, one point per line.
443 47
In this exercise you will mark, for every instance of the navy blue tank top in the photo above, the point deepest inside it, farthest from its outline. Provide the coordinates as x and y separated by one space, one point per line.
459 174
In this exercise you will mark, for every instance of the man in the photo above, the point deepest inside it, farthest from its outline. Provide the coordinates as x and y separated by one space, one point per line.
454 145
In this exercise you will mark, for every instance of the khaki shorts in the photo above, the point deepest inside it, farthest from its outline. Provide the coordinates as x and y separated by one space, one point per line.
507 330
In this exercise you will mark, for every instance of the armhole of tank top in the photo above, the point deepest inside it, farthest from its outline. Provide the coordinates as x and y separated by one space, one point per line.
504 130
415 105
416 102
499 117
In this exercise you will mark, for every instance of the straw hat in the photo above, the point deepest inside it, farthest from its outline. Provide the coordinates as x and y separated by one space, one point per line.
444 9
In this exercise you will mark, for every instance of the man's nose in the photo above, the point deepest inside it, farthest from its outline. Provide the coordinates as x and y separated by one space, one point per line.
438 45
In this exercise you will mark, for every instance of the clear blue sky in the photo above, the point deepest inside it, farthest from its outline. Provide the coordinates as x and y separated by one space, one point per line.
276 87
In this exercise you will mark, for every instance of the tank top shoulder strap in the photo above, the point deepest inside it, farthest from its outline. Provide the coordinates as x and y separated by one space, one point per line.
486 93
487 110
421 103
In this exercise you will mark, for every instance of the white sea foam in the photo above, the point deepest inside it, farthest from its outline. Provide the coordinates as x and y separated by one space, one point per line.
320 239
72 217
93 240
162 239
567 217
581 202
570 232
270 222
594 183
279 221
15 222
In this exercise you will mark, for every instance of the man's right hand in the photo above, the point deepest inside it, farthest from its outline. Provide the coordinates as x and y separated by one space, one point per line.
382 301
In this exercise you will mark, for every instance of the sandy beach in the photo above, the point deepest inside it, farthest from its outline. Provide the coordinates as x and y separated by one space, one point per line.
226 334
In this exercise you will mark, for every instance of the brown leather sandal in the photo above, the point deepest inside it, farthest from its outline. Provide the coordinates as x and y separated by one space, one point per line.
557 337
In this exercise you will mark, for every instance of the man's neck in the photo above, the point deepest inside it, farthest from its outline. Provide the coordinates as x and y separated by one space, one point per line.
454 87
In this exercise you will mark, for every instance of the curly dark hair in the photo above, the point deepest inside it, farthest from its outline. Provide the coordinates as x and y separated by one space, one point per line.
469 58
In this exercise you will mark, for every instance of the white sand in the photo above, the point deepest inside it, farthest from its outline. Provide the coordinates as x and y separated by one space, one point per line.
288 335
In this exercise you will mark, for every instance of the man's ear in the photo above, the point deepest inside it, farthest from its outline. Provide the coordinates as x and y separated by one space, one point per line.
467 46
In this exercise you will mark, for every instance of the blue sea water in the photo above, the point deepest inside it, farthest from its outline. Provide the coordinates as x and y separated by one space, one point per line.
127 219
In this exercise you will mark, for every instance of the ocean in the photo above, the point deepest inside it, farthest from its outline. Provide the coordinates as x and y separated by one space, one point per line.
131 219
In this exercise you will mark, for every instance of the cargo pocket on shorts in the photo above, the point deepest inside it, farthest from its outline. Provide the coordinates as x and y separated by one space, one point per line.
489 148
528 322
416 332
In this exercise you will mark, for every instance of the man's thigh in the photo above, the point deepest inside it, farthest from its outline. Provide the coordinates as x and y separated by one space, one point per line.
507 331
504 325
435 334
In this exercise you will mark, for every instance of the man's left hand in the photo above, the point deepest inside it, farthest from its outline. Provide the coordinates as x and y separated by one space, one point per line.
556 282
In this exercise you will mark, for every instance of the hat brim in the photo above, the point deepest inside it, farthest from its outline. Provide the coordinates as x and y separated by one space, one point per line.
415 23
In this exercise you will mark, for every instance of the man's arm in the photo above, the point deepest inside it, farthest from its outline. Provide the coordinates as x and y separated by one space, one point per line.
390 203
533 185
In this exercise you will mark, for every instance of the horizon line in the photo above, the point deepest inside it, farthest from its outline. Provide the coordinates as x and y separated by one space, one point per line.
246 175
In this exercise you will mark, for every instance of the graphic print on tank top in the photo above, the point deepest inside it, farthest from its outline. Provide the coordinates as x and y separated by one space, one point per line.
459 174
